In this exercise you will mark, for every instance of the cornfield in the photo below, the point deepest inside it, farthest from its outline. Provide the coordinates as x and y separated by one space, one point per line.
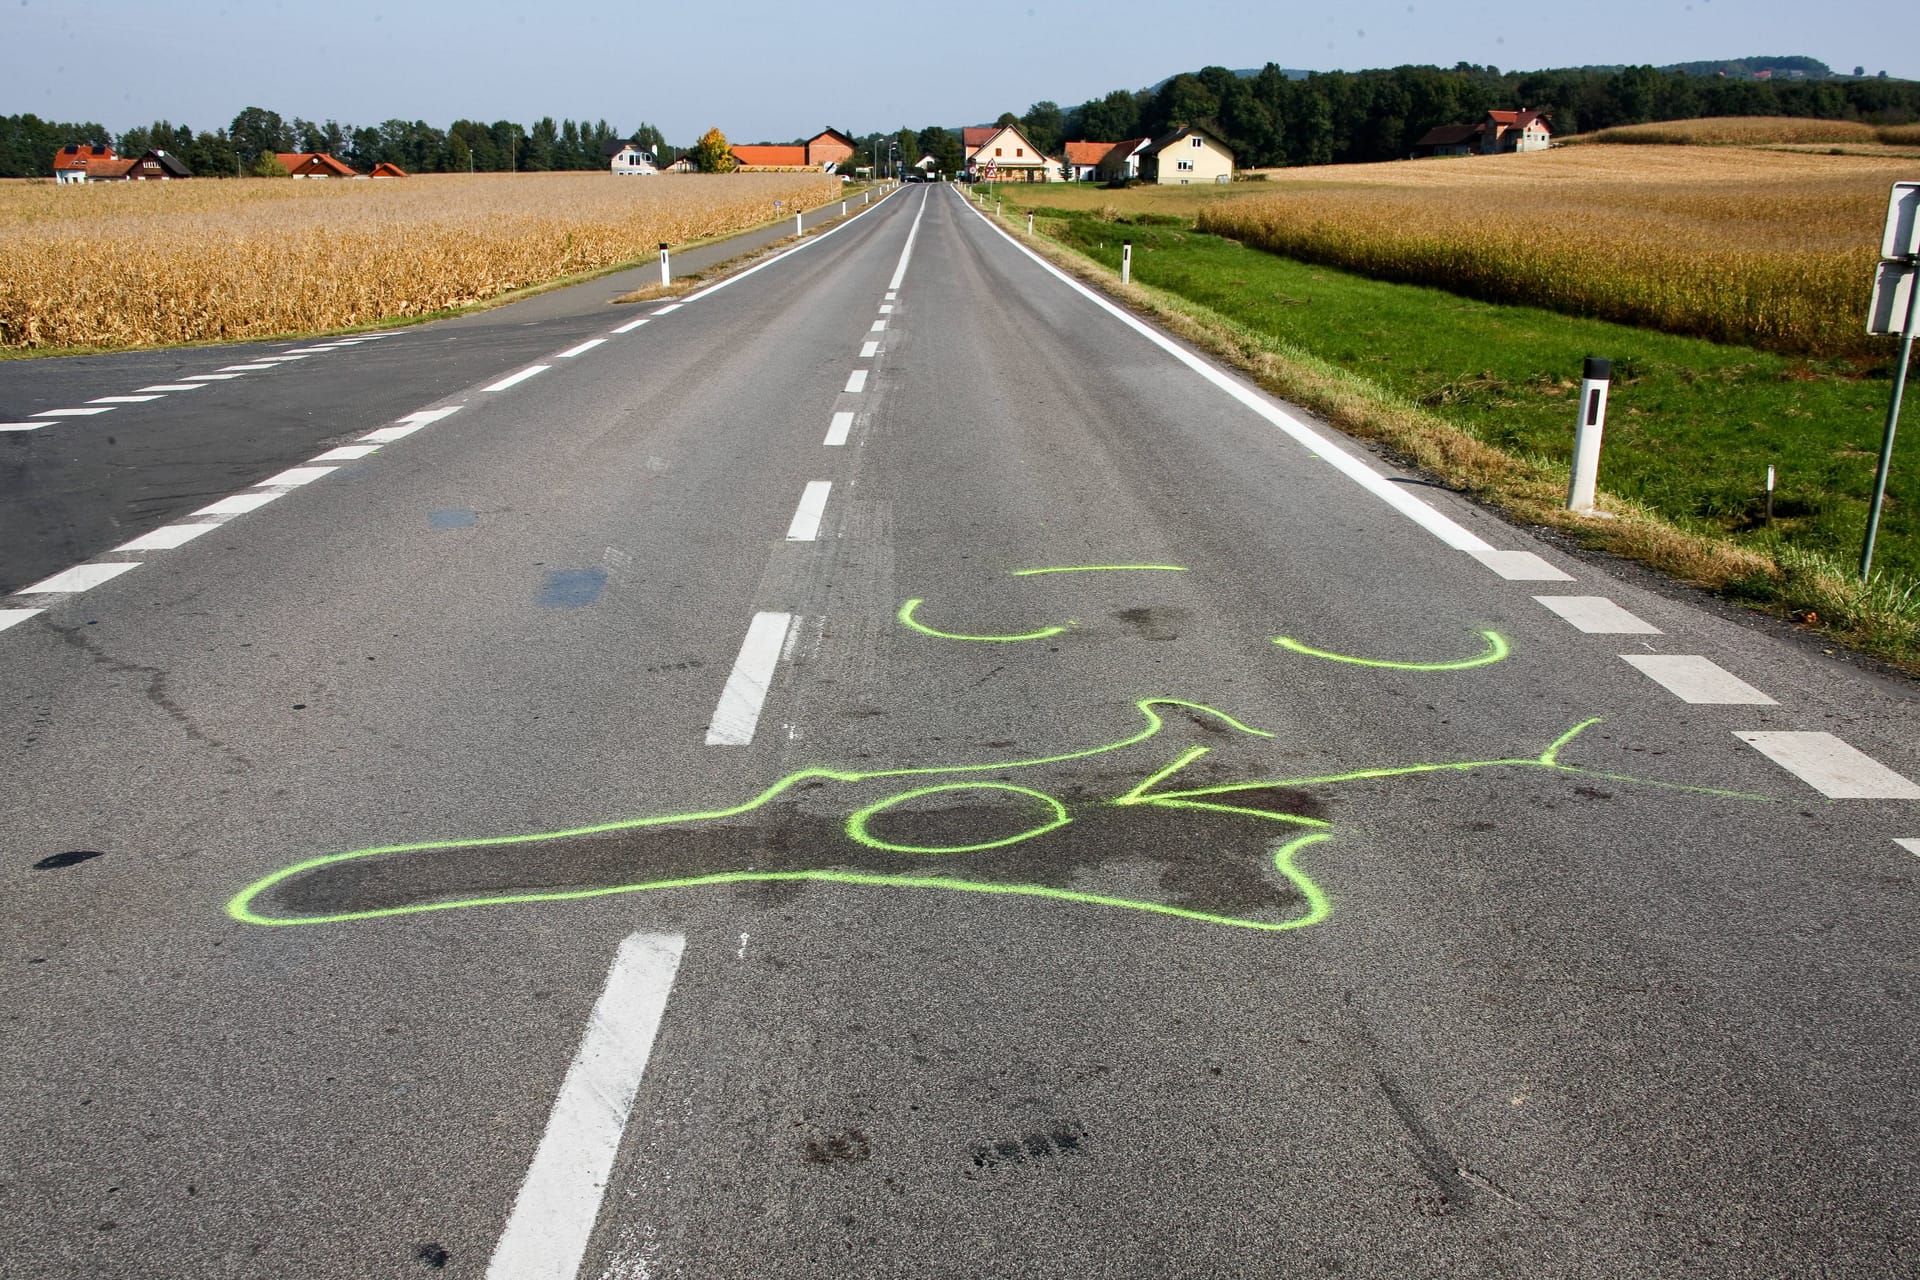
1751 131
142 264
1762 248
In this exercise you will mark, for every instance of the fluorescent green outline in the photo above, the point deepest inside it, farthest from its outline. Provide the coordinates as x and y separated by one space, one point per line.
907 619
857 822
240 906
1102 568
1496 651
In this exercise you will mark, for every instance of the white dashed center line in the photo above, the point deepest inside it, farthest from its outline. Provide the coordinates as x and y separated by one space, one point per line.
239 503
13 617
122 399
515 379
669 309
347 453
73 413
868 350
211 377
1831 767
244 368
167 537
175 386
23 426
806 517
856 382
738 712
82 577
879 326
837 430
631 325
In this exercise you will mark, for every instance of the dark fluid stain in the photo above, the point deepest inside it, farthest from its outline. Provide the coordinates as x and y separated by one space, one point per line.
572 588
53 862
1214 862
848 1147
1592 793
1154 623
451 518
431 1256
1059 1141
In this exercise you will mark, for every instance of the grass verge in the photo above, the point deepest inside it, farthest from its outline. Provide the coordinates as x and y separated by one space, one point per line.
1482 397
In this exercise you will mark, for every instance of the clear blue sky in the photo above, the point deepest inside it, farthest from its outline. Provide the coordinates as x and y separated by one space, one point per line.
764 71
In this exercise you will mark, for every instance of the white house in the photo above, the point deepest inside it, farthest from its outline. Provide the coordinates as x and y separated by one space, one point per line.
630 159
1011 157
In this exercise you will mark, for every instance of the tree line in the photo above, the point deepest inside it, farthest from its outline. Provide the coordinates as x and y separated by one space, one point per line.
1271 119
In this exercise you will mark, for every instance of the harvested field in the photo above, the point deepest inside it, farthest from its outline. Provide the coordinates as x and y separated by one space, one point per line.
1764 248
147 264
1748 131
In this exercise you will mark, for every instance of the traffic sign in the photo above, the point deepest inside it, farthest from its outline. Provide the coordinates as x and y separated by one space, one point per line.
1892 297
1902 238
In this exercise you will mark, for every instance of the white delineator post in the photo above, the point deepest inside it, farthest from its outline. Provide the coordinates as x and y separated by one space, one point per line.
666 271
1586 437
798 229
843 208
1126 262
1029 224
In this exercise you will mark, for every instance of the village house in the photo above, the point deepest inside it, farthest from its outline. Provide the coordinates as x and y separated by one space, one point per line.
1502 132
1009 154
70 161
830 149
313 164
1186 157
387 169
154 166
1105 161
631 160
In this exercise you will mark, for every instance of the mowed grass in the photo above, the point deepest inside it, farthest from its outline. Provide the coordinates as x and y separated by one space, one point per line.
140 264
1764 248
1485 395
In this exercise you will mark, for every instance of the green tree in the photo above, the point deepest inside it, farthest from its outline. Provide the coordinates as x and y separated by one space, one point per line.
266 165
1114 118
212 156
257 130
1043 124
712 154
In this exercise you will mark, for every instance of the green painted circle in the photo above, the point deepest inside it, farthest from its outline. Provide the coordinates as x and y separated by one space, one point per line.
857 822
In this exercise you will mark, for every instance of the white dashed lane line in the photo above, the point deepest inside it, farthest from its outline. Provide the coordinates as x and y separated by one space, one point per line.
738 713
669 309
868 350
167 537
1598 616
23 426
409 424
212 377
1692 678
1518 566
347 453
74 413
82 577
879 326
238 504
515 379
1831 767
293 477
175 386
805 526
856 382
123 399
14 617
244 368
580 350
838 428
1910 845
631 325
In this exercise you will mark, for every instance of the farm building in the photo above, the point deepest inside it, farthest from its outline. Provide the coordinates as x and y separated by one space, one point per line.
829 147
631 159
1500 133
1105 161
763 157
387 169
70 161
155 166
1186 157
313 164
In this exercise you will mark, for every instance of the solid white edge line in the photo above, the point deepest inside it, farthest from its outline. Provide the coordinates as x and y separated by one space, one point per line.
780 257
1831 767
515 379
737 714
856 382
166 537
74 413
1697 680
82 577
1443 527
1597 616
838 428
14 617
906 252
580 350
631 325
805 526
547 1234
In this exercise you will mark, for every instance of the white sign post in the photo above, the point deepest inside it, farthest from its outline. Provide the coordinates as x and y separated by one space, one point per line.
1895 309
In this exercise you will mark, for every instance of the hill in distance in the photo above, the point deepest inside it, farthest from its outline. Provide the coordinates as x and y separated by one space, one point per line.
1786 66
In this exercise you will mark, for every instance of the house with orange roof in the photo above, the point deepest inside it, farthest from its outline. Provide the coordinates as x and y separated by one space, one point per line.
313 164
154 166
1010 156
387 169
765 157
70 161
1105 161
830 149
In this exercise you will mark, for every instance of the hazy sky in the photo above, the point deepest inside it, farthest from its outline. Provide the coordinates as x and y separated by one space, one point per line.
776 71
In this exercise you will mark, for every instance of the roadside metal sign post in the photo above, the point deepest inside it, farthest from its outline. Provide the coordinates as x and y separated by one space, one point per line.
1586 437
1894 309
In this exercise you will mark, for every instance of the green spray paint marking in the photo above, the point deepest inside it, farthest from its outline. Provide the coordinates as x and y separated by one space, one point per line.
1103 568
907 610
241 906
907 619
1495 651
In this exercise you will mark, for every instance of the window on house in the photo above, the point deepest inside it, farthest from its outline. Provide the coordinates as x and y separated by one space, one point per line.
998 152
1197 142
1186 164
1019 151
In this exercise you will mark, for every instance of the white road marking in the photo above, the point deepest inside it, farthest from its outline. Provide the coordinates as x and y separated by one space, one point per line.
82 577
552 1221
347 453
1694 679
1598 616
879 326
806 517
294 476
1448 530
868 350
166 538
837 430
74 413
906 252
427 417
122 399
13 617
856 382
175 386
804 244
240 503
23 426
515 379
1831 767
1517 566
670 308
244 368
742 952
631 325
738 712
387 435
290 356
211 377
892 296
886 308
309 351
1911 846
580 350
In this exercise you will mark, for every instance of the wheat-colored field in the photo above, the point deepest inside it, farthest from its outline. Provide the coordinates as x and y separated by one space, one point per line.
117 265
1774 249
1738 131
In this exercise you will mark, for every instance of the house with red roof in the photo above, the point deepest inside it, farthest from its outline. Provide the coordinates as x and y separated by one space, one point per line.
387 169
155 166
313 164
1500 133
1105 161
1008 155
830 149
70 161
765 157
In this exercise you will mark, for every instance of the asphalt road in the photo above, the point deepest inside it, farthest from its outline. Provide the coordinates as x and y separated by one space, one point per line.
649 820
